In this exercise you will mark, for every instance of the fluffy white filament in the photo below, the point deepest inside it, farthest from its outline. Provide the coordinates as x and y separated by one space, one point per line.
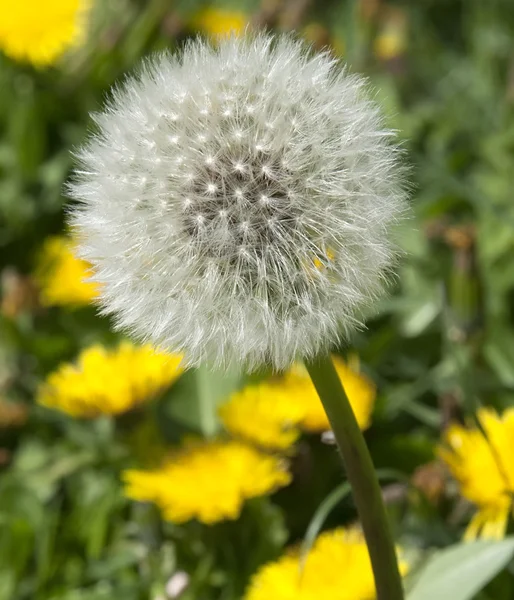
236 202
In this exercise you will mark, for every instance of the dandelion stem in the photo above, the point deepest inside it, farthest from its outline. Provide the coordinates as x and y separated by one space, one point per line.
361 474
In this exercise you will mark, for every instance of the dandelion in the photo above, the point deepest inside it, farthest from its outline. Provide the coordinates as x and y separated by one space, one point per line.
62 277
217 183
207 480
338 566
40 32
273 413
216 22
109 381
265 414
236 204
360 390
480 459
391 42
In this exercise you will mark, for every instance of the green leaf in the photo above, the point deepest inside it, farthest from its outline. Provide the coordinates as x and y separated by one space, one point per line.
213 388
27 128
320 516
499 354
329 504
461 571
195 397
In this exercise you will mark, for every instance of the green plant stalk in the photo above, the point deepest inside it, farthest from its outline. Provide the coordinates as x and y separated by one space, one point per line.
362 477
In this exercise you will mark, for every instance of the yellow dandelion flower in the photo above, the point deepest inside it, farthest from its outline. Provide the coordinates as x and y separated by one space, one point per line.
338 567
40 32
207 480
271 414
216 22
481 462
391 42
360 390
62 277
109 382
264 414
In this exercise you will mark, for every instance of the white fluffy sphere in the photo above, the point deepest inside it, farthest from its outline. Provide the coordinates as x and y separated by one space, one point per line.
236 202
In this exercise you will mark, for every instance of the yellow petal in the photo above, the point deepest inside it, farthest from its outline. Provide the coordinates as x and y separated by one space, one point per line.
488 524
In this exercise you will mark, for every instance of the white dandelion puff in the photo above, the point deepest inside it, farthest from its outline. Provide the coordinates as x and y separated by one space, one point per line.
236 202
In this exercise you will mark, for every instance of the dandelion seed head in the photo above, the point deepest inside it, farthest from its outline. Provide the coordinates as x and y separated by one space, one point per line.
236 202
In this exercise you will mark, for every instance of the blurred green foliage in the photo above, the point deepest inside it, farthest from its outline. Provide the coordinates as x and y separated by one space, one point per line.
441 345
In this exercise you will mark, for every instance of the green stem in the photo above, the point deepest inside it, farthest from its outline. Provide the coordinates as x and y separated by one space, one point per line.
361 475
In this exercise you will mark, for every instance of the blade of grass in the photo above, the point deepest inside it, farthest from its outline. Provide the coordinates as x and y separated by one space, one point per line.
327 506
